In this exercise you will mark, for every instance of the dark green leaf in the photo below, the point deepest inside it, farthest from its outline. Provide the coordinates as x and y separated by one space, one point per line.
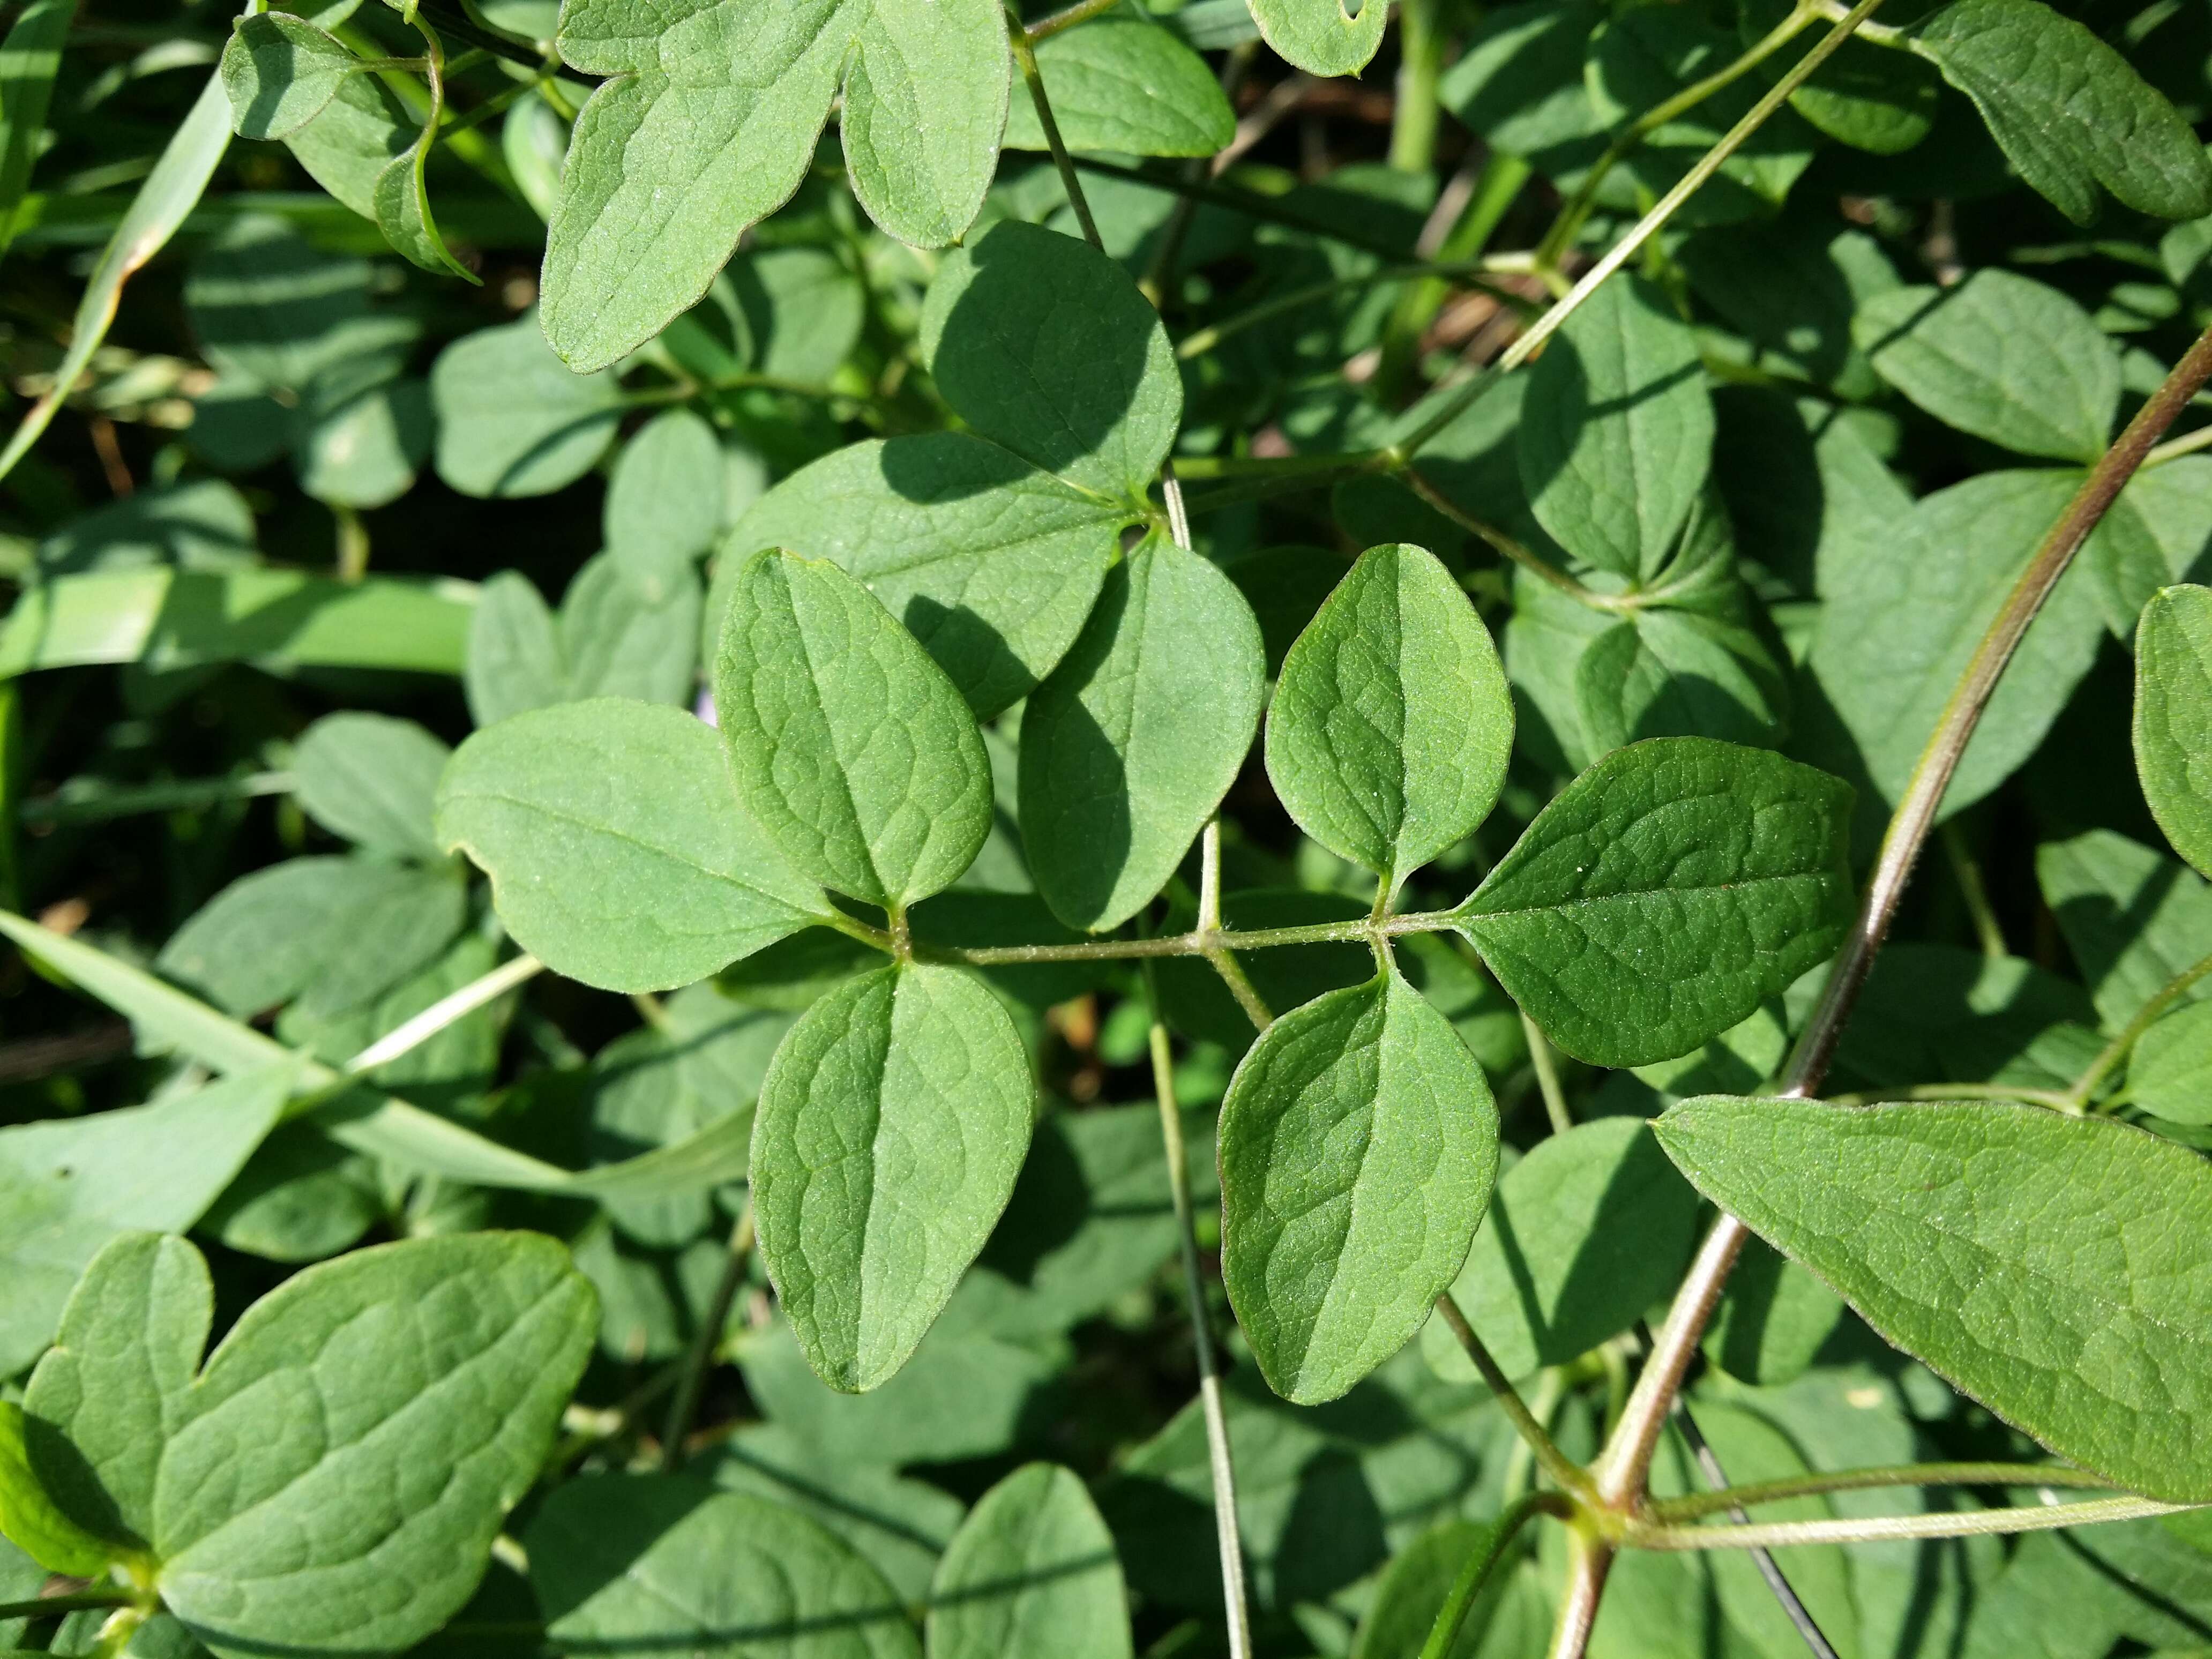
2174 718
1121 83
2134 918
1031 1572
280 72
2169 1075
372 780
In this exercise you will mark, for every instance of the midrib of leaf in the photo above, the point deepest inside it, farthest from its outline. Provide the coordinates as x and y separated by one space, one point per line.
844 783
1331 1300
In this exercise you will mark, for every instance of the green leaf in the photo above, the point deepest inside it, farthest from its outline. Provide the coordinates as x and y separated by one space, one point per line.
1044 344
2069 110
33 48
69 1186
346 149
2057 1269
1321 37
1906 606
1391 724
1031 1571
402 200
1870 97
1130 744
1666 673
665 499
889 1131
431 1372
1586 1233
1124 84
372 780
2174 718
2000 356
515 662
281 72
625 1562
616 851
361 448
2170 1073
2133 918
2157 533
1417 1582
681 150
511 419
848 744
990 563
1618 433
1772 1321
1664 894
1359 1143
31 1520
620 637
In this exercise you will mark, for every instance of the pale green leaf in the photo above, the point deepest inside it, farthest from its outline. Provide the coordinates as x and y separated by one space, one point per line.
205 525
847 742
280 71
2170 1073
514 662
617 852
2174 718
1359 1143
2059 1269
2069 111
34 51
1417 1584
2002 357
889 1133
1123 84
1031 1574
68 1186
31 1520
1044 344
990 563
649 1563
1391 725
2133 918
1322 37
346 147
1586 1232
361 448
926 100
665 499
1772 1320
1130 744
1617 436
511 419
402 200
1664 894
372 780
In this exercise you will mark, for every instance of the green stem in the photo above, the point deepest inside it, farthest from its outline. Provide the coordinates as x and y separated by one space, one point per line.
1193 944
1437 270
1561 236
53 1606
2187 444
1218 193
1082 12
1492 192
1478 1571
448 1010
2050 1097
2121 1046
706 1344
68 807
1971 889
1025 60
1508 547
1967 1523
1277 467
1571 1477
1420 61
1548 1077
1695 1507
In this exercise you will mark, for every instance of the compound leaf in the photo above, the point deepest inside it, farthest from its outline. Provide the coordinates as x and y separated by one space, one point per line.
1321 37
1031 1570
847 743
281 72
1130 744
892 1123
1123 84
2000 356
1617 436
1044 344
1359 1143
2069 111
1664 894
2057 1268
617 850
1392 723
2174 718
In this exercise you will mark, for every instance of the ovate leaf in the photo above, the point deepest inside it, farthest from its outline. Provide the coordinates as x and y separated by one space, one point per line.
665 499
2000 356
2170 1073
2133 918
649 1563
2174 718
887 1136
925 100
512 420
847 742
1667 672
1617 436
2069 110
1131 744
1123 84
69 1186
281 72
1664 894
346 147
1321 37
1032 1570
1358 1142
2059 1269
31 1520
1044 344
617 850
372 780
1391 725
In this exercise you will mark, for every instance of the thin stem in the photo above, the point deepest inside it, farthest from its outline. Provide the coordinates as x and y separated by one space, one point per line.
1196 944
1570 1476
1548 1077
1420 62
1025 60
1562 233
68 807
1464 228
2123 1045
448 1010
1589 1559
1512 549
706 1344
52 1606
352 561
1709 1465
1670 1510
1628 1457
1250 203
1218 1459
1082 12
1784 1534
1477 1572
2174 448
1974 891
1158 280
1278 467
614 1422
2050 1097
1205 339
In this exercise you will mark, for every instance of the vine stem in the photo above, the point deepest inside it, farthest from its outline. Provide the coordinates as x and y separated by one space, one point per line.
2077 1097
707 1345
1479 1570
2050 1097
1627 1457
1671 1510
52 1606
1199 943
1784 1534
1572 1478
445 1011
1025 59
